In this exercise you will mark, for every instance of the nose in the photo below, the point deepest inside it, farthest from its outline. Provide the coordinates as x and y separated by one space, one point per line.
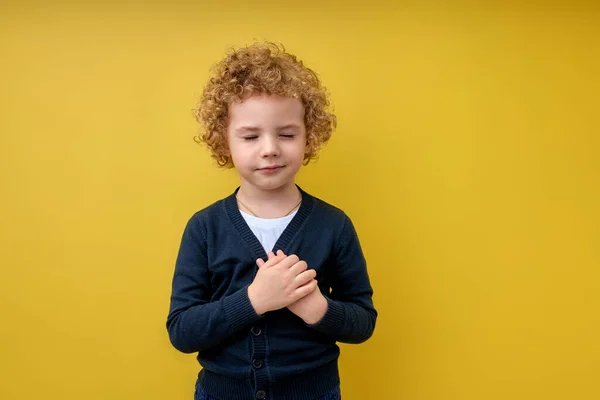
270 147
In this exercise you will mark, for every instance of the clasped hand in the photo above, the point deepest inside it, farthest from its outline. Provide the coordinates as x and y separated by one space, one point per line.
285 281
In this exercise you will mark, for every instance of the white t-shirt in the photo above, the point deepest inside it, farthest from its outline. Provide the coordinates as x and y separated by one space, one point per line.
267 231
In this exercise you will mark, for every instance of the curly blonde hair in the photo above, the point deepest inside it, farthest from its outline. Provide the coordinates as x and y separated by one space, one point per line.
262 68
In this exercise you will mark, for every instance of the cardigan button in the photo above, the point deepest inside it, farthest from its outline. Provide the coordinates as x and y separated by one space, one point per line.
255 331
261 395
257 364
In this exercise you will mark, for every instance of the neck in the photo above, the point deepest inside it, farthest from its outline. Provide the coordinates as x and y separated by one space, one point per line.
269 203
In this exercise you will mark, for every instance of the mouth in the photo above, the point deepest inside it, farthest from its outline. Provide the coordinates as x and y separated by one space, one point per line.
270 169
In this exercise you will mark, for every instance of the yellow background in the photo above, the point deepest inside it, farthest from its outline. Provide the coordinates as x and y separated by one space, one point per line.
467 155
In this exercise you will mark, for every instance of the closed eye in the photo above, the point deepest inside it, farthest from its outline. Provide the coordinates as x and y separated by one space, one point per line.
287 136
250 137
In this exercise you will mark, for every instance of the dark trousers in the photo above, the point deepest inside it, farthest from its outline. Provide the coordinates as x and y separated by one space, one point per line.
202 395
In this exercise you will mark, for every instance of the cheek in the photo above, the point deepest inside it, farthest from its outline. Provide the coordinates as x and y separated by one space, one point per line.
235 157
295 148
238 157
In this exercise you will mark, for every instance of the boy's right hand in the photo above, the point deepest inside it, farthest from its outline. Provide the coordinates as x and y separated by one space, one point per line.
279 282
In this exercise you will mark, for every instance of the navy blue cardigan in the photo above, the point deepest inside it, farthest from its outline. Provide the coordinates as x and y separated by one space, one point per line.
274 356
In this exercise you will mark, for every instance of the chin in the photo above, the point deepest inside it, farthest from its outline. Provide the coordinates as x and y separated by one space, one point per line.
273 185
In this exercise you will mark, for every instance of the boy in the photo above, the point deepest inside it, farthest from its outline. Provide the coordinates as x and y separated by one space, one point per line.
269 278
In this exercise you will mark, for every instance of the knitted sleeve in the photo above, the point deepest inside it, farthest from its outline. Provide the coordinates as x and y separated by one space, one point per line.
350 316
194 323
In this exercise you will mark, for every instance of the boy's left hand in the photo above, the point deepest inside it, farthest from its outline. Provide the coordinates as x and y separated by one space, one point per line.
311 308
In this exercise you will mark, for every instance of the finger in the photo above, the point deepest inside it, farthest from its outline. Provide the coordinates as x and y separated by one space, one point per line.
279 255
305 277
260 262
272 261
289 261
308 283
298 268
306 289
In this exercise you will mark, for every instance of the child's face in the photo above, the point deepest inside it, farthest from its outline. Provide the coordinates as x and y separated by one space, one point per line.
267 140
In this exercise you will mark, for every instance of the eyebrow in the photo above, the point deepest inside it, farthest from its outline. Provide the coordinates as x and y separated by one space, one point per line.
288 126
254 129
